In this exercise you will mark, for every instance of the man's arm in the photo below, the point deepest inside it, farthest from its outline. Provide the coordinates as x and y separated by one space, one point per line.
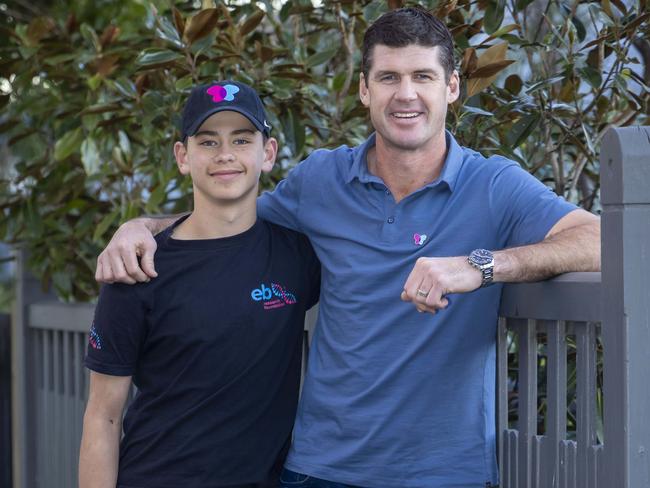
133 239
572 244
102 430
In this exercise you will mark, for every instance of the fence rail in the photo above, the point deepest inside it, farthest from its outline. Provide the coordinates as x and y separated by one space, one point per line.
571 312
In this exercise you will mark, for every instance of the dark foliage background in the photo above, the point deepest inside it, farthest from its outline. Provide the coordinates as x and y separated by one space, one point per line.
90 93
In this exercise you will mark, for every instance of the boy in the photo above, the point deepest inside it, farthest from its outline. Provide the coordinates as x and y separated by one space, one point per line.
214 343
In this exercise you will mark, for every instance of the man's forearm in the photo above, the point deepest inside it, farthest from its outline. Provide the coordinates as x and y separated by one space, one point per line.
573 249
158 223
99 454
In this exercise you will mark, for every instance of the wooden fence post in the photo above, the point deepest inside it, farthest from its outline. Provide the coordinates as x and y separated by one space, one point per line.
625 196
28 290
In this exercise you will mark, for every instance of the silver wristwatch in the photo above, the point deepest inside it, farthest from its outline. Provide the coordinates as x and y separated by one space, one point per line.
483 260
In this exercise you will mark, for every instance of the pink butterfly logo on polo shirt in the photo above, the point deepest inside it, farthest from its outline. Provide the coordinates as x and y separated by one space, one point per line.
419 239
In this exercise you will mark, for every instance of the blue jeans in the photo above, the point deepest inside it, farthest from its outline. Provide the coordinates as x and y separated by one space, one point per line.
291 479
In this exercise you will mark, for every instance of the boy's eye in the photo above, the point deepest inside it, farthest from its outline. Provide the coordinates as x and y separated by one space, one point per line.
208 143
239 142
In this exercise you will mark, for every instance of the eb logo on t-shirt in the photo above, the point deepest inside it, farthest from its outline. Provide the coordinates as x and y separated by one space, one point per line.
273 296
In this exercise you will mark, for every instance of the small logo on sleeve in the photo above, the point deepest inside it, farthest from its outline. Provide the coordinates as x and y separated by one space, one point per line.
419 239
94 339
274 296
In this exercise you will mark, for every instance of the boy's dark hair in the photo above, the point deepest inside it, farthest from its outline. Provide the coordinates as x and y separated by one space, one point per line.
405 26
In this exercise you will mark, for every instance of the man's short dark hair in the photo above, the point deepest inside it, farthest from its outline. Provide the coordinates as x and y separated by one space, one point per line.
405 26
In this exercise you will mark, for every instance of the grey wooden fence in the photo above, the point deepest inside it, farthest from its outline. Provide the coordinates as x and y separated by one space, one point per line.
50 385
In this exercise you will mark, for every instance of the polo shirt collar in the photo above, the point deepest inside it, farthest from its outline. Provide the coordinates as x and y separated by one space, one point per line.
450 170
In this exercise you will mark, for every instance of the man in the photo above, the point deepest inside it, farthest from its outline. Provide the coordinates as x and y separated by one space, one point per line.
394 398
214 343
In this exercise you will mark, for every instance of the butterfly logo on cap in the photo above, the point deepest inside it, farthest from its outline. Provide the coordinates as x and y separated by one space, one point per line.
220 93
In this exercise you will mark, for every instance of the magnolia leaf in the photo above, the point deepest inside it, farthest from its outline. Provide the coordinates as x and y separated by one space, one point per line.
522 129
501 32
39 28
90 156
201 25
105 223
179 21
469 60
157 57
166 31
492 55
477 111
321 57
494 16
513 84
155 199
490 69
68 144
91 36
591 76
252 22
125 144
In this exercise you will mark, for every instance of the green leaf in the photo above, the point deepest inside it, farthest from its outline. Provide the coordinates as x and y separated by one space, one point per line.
252 22
167 32
156 56
125 144
494 16
522 129
90 156
68 144
94 82
321 57
477 111
105 223
155 199
580 28
91 36
591 76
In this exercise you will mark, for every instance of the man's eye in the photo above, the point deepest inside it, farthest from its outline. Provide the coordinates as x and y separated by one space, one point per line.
386 78
209 143
239 142
421 76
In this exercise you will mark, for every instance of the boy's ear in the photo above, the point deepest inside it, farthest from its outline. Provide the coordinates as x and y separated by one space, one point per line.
270 153
180 153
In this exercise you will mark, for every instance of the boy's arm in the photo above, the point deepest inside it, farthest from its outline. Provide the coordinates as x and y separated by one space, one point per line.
102 430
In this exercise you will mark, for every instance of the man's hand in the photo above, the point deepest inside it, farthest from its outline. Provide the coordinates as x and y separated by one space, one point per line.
433 278
119 261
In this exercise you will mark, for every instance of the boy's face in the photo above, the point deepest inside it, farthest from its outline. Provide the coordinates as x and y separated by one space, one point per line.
225 158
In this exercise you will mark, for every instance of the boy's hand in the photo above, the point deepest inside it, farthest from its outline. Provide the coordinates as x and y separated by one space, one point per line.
119 261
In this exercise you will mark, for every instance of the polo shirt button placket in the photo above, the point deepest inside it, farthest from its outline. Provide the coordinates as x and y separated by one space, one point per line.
391 220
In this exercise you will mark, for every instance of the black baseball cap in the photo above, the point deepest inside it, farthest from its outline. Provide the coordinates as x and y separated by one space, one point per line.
235 96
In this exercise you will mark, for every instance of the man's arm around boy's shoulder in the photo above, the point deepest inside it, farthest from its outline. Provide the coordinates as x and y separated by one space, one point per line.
102 430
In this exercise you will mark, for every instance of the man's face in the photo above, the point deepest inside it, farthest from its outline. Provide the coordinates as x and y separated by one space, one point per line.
408 96
225 158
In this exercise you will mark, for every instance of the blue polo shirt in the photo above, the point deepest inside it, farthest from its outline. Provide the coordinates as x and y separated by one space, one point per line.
394 398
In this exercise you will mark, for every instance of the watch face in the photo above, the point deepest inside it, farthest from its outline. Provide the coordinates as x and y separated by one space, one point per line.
481 257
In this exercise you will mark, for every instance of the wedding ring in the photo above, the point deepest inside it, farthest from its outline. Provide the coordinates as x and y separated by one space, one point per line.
422 293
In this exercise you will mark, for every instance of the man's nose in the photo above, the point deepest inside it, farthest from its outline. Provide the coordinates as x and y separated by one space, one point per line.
406 90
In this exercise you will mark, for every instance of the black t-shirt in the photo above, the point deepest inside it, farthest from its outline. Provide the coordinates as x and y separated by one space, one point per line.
214 346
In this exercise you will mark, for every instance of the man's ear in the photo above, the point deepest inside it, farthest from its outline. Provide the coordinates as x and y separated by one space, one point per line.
453 87
180 153
270 153
364 96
